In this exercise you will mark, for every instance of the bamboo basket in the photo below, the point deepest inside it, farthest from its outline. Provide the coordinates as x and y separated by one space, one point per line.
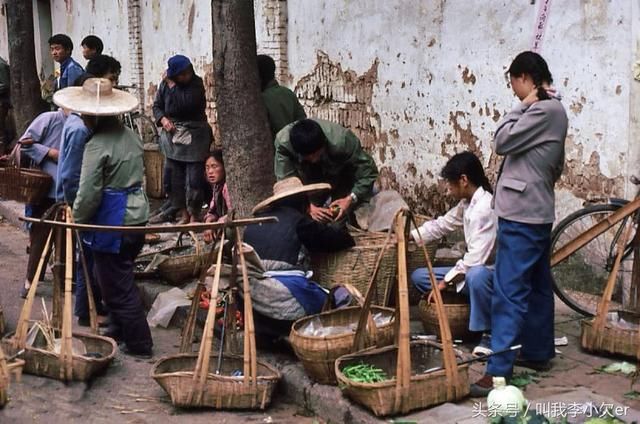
353 266
7 370
412 384
177 270
66 365
154 170
190 379
458 311
600 335
24 185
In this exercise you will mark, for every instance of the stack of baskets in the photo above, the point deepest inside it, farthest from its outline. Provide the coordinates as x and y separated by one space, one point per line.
25 185
193 381
458 311
413 382
154 170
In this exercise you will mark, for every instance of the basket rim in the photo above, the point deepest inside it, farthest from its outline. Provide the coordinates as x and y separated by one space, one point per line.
300 321
82 358
276 375
387 383
589 322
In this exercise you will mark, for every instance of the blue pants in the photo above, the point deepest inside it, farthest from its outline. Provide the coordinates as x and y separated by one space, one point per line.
478 287
522 304
81 308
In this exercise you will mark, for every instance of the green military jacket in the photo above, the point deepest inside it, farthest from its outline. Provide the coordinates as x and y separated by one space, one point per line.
282 106
112 159
344 164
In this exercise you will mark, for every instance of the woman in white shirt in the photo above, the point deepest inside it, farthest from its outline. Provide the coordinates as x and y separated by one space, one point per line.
472 274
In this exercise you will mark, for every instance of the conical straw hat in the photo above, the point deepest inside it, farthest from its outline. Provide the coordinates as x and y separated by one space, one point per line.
289 187
96 97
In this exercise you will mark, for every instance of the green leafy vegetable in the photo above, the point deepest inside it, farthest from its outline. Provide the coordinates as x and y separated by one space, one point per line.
364 373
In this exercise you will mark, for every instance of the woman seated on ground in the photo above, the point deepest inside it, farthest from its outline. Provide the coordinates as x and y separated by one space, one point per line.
471 275
286 293
220 201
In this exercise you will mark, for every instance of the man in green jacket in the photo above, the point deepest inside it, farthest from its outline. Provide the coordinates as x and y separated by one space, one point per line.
282 104
319 151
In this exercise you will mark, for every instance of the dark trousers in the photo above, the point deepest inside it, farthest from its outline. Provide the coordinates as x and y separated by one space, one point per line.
37 237
114 272
522 304
187 184
82 301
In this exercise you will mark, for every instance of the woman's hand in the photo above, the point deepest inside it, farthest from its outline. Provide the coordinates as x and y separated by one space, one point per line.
53 154
167 124
208 236
319 214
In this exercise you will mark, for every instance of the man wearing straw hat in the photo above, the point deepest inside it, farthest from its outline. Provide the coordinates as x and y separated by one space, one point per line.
110 193
284 292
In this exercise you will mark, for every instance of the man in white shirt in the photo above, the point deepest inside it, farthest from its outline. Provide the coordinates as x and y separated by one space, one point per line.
472 275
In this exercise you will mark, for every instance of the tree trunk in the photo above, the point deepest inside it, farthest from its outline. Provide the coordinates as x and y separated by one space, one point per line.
242 117
25 85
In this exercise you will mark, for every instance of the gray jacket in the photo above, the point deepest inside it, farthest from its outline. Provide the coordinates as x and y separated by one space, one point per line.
531 139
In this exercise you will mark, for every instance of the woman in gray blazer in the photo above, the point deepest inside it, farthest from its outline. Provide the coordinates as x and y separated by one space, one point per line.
531 140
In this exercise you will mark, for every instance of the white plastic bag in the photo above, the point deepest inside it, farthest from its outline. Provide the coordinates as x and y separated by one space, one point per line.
165 306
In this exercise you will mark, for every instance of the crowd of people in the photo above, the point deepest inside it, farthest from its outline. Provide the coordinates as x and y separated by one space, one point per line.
323 176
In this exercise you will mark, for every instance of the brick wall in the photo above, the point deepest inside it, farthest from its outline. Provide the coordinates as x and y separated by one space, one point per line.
272 35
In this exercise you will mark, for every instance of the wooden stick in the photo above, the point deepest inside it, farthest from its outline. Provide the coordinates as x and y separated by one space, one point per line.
568 249
403 364
20 338
450 361
58 279
4 379
201 370
66 348
250 355
155 228
93 315
603 305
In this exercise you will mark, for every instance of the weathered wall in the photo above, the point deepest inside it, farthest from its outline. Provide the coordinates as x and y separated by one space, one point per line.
420 81
4 43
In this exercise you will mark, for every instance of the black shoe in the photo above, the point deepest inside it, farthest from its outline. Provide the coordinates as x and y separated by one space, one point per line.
140 354
540 366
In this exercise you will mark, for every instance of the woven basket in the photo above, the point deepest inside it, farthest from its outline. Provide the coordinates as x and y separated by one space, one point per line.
353 266
154 171
458 310
427 389
414 383
318 354
24 185
191 380
178 269
175 375
48 364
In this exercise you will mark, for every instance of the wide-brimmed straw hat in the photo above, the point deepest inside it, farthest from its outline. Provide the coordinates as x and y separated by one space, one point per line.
289 187
96 97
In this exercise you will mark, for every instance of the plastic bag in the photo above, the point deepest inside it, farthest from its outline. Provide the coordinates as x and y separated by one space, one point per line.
165 306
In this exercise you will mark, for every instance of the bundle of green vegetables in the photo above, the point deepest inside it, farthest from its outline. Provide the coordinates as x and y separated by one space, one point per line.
364 373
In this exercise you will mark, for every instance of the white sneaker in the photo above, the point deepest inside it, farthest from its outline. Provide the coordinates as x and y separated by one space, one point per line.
484 347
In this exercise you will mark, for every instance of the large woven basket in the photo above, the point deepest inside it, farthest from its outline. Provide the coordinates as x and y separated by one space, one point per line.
178 270
318 354
458 310
175 375
48 364
427 389
612 339
415 380
353 266
25 185
154 170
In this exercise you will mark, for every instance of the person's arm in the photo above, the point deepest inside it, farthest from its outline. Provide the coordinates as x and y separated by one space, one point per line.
482 233
158 104
73 73
284 161
520 129
365 168
91 185
33 136
70 168
317 237
438 228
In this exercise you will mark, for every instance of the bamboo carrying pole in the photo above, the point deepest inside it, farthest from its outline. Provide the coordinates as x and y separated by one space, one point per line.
4 379
403 365
93 315
201 370
66 349
250 363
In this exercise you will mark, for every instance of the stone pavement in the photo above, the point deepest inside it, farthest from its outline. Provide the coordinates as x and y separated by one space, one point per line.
127 393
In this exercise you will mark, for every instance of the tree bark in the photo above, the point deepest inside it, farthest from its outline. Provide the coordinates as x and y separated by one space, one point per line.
25 84
242 117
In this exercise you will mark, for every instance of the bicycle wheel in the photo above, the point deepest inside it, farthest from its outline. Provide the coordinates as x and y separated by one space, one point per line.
579 281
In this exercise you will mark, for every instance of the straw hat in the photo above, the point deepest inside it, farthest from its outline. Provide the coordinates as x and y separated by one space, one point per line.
96 97
289 187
